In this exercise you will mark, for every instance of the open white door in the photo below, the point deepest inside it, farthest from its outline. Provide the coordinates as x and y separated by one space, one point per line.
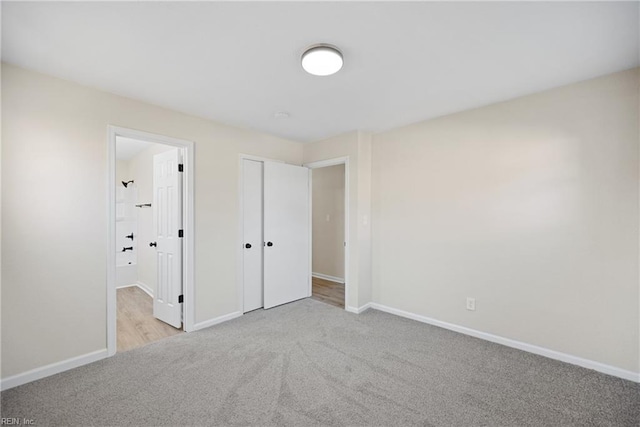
167 222
287 272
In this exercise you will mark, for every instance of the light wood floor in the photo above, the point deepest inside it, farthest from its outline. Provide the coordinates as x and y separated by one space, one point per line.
329 292
136 325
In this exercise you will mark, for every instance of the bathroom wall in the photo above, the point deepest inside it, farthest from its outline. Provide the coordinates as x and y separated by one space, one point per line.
122 171
126 225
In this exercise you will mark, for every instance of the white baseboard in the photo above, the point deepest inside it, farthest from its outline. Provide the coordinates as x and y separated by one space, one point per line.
358 310
217 320
52 369
329 278
145 288
141 285
552 354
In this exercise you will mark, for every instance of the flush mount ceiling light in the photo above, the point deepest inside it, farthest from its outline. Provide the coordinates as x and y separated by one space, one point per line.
322 60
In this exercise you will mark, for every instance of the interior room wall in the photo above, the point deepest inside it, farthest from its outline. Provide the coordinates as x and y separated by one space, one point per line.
529 206
328 221
141 170
54 142
357 146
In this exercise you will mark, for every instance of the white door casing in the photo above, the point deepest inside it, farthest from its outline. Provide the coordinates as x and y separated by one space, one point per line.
347 244
167 221
287 270
252 188
187 149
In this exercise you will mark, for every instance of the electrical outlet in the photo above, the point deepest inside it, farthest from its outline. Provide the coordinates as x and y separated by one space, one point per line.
471 304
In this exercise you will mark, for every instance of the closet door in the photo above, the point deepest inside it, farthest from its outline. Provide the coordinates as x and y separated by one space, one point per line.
287 273
252 233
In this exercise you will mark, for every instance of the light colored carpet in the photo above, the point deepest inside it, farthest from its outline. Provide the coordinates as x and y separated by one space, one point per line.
308 363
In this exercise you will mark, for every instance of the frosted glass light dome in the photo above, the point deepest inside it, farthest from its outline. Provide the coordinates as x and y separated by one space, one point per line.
322 60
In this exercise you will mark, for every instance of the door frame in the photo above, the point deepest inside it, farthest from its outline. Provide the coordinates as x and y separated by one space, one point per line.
347 237
188 223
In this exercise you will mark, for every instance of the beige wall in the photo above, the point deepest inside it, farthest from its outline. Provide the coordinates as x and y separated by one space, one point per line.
531 207
54 138
328 221
357 147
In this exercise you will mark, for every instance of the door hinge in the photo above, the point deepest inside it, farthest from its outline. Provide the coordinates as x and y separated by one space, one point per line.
180 233
180 299
180 167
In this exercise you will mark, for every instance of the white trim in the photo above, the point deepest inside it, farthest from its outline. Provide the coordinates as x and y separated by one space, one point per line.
552 354
347 237
239 252
328 162
188 225
358 310
111 241
52 369
217 320
329 278
310 233
144 288
258 158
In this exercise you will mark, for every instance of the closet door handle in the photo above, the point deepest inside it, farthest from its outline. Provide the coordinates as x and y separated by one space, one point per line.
269 244
153 244
248 246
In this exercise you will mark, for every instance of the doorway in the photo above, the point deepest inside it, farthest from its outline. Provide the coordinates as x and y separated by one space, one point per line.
326 287
328 234
150 274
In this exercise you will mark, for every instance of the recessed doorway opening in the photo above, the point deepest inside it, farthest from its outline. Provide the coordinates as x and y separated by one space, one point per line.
150 258
329 218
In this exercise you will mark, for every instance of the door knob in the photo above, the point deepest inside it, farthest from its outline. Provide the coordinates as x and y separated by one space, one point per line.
153 244
269 244
248 246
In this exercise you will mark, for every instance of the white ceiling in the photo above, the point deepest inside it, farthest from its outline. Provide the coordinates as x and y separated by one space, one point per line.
239 63
127 148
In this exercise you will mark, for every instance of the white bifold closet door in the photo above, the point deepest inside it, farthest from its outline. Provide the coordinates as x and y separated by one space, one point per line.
286 234
252 231
276 229
167 222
